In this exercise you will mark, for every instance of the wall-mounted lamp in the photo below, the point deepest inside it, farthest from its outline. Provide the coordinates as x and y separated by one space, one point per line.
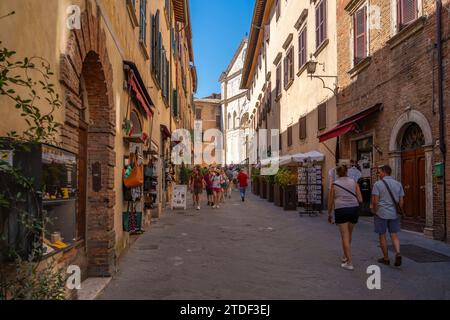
311 67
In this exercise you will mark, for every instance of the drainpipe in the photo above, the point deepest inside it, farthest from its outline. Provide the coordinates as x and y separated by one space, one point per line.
442 145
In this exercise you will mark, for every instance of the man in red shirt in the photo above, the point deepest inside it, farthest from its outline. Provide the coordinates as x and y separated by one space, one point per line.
243 183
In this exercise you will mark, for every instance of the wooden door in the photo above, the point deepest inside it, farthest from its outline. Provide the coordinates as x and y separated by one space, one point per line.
413 180
82 181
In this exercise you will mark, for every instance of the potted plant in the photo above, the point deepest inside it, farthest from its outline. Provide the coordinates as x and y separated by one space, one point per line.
263 187
288 182
270 187
255 181
278 191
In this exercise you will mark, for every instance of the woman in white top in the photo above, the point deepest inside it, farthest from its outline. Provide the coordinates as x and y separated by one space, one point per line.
345 197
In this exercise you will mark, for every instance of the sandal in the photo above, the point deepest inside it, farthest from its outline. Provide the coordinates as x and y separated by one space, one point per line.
384 261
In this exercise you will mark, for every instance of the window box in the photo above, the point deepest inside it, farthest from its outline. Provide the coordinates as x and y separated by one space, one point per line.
362 65
407 32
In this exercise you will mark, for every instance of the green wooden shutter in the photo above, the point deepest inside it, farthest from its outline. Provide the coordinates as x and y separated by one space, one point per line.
175 103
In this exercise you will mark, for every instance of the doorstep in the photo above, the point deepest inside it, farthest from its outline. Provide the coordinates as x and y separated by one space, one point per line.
91 288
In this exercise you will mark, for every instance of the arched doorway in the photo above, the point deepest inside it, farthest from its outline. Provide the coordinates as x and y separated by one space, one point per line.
89 131
413 177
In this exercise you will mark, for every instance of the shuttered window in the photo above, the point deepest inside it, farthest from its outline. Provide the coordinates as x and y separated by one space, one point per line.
360 35
278 84
143 22
321 23
175 103
302 128
198 114
155 49
302 54
322 116
406 12
289 68
278 8
267 32
289 136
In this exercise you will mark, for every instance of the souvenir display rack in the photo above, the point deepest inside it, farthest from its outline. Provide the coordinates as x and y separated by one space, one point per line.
310 189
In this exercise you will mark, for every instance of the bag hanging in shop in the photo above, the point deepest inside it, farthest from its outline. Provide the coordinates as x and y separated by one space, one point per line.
134 178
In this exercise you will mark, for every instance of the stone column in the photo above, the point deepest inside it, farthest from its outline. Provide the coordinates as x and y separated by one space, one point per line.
429 229
395 161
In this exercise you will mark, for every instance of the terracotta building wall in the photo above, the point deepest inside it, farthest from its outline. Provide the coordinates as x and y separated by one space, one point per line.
402 76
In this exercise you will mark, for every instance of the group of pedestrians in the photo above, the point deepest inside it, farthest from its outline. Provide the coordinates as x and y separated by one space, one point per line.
387 204
218 183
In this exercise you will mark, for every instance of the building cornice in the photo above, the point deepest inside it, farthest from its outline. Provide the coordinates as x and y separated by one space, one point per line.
301 19
353 5
261 14
233 98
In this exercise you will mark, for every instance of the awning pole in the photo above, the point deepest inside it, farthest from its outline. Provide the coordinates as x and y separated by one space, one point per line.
329 150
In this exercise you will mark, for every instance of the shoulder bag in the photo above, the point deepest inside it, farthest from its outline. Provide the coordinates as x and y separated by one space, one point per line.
397 205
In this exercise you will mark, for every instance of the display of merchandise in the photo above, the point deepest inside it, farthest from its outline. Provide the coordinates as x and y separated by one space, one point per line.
309 187
150 185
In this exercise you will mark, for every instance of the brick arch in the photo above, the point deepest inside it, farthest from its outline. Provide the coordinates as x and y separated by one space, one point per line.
86 56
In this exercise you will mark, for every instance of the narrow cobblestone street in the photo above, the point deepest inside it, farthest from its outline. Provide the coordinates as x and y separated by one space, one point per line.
254 250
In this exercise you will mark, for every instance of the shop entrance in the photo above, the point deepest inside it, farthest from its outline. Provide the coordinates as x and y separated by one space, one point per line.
364 160
413 177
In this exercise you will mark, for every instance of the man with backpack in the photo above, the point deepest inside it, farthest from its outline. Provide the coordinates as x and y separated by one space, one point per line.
387 204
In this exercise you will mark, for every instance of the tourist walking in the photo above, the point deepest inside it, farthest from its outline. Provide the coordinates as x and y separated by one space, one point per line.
387 204
209 186
197 185
223 185
344 198
242 179
229 174
216 185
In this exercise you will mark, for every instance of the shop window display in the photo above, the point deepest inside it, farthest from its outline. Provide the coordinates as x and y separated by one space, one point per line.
59 172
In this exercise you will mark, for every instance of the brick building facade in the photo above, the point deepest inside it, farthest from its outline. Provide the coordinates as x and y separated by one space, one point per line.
129 61
388 101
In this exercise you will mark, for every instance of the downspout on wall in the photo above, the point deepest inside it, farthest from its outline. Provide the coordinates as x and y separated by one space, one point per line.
442 142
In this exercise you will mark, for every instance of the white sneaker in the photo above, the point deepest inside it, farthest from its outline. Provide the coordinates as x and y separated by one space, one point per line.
347 266
217 207
198 208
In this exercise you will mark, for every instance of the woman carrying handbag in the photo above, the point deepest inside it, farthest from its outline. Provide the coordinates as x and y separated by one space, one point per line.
344 198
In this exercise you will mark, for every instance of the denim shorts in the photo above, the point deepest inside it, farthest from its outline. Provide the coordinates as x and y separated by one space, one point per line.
384 225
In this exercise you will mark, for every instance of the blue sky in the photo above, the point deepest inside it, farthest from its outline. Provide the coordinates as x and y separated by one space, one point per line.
218 26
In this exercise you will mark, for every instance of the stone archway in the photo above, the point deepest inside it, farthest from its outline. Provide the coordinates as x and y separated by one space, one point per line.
395 157
86 57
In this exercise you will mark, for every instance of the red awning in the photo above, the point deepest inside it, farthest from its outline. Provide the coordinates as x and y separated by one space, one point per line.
349 124
140 96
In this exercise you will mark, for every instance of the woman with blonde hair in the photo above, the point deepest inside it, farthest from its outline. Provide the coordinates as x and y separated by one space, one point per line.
344 198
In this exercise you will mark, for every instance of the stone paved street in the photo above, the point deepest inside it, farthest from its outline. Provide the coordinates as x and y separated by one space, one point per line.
254 250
